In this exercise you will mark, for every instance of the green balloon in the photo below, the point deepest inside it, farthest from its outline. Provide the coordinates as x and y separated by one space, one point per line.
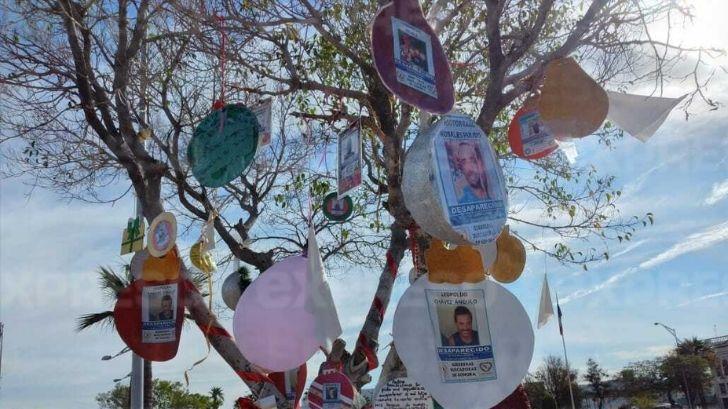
223 145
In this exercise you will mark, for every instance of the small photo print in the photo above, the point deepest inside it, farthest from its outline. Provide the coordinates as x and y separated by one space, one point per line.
331 392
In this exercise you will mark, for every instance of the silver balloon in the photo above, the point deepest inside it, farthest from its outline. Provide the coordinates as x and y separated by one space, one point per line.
137 263
420 186
231 290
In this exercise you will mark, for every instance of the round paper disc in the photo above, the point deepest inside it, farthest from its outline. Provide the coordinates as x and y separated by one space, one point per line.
162 234
470 345
336 209
223 145
148 317
453 184
528 136
272 326
331 391
403 393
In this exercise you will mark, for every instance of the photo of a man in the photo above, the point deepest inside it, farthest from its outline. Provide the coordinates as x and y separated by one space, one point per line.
165 310
471 181
413 50
465 335
331 393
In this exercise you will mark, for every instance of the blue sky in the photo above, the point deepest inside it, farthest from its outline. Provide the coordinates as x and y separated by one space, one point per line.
673 272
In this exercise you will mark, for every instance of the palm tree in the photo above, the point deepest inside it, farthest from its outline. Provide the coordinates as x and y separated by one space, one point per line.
697 347
216 397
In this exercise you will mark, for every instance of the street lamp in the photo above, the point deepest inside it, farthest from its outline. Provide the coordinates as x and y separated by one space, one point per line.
110 357
682 368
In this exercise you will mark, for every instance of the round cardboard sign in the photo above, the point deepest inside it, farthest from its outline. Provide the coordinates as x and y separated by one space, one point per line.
223 145
162 234
336 209
148 317
410 59
403 393
528 135
162 268
331 391
510 259
273 327
231 290
453 184
469 344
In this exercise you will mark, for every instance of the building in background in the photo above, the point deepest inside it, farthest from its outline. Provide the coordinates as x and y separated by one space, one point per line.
720 369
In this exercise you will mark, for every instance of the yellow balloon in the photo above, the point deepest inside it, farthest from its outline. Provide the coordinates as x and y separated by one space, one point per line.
202 259
511 258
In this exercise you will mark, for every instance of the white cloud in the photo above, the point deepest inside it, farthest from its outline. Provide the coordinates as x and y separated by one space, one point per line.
642 353
694 242
703 298
719 192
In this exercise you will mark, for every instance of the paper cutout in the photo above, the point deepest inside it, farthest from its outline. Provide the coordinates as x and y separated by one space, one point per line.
331 390
203 260
289 298
568 147
162 268
148 317
430 341
162 234
511 258
572 104
263 113
453 184
545 306
528 135
337 210
348 164
403 393
638 115
462 264
132 240
223 145
488 254
208 233
291 384
410 59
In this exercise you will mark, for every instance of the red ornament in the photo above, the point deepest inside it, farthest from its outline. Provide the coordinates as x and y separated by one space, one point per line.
517 400
410 59
333 389
148 316
528 135
292 389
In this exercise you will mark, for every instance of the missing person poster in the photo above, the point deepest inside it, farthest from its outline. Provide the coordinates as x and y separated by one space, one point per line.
159 309
263 113
462 335
413 57
472 190
349 160
535 136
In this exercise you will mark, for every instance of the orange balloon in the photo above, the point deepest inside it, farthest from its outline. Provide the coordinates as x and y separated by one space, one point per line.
572 104
511 258
162 268
462 264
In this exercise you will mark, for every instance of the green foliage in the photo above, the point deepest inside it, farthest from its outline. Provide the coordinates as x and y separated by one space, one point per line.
556 378
596 376
166 395
643 401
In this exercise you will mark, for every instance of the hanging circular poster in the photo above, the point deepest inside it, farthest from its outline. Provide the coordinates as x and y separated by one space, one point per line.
510 258
148 317
223 145
410 59
162 234
331 390
453 184
336 209
528 136
403 393
468 344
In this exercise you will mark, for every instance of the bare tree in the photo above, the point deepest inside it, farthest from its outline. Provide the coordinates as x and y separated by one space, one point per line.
83 79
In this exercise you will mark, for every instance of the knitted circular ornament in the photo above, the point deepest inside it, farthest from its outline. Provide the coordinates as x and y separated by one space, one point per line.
223 145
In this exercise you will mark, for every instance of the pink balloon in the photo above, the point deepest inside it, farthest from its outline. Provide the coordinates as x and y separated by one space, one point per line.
274 324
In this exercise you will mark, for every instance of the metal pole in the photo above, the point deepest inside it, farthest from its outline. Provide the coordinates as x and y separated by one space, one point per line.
568 373
682 368
137 382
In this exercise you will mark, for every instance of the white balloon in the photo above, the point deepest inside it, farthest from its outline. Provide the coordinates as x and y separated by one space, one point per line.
231 290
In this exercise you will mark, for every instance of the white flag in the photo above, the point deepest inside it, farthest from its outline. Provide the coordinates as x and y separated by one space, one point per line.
546 307
639 115
319 300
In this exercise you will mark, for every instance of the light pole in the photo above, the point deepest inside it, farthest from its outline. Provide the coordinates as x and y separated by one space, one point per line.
682 368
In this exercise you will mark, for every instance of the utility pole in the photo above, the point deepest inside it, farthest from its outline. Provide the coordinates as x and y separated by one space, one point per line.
682 368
